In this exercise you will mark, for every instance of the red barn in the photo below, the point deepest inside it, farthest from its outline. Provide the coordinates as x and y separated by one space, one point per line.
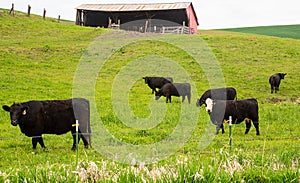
154 17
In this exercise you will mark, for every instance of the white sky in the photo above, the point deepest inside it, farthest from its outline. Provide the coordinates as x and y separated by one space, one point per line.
212 14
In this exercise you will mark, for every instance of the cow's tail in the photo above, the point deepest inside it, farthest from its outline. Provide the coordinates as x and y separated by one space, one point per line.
189 93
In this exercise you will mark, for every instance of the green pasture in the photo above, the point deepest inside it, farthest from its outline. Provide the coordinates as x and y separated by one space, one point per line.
284 31
43 59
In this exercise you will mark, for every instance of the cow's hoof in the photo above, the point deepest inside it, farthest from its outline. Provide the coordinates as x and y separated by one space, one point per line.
87 146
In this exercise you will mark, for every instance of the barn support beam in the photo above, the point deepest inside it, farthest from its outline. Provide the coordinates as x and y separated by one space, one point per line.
146 25
79 19
109 22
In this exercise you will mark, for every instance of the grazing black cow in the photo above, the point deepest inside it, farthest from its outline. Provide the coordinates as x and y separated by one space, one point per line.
274 81
240 110
217 94
52 117
174 89
157 82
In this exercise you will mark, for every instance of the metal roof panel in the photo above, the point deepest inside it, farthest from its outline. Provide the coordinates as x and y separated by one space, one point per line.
134 7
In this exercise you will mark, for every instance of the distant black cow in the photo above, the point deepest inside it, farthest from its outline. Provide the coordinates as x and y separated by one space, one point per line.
217 94
274 81
174 89
240 110
157 82
52 117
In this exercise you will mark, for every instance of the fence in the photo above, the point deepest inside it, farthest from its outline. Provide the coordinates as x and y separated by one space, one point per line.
12 12
156 29
176 30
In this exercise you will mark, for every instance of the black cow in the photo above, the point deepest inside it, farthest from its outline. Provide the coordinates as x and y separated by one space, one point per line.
240 110
52 117
217 94
174 89
157 82
274 81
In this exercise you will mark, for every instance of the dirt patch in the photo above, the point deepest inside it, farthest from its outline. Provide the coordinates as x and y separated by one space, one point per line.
121 34
277 100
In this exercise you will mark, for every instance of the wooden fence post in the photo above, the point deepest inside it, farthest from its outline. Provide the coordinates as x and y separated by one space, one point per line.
119 23
146 25
58 20
44 14
12 10
28 11
183 27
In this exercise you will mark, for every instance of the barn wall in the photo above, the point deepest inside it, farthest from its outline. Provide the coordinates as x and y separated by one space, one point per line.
193 22
95 18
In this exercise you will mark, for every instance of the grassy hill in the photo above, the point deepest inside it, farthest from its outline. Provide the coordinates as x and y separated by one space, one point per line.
40 59
284 31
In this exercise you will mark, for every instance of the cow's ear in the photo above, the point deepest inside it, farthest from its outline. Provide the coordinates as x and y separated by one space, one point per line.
24 111
6 108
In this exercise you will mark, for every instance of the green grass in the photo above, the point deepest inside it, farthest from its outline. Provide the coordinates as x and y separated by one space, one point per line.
39 60
284 31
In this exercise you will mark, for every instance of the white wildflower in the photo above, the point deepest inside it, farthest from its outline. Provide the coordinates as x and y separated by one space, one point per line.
295 164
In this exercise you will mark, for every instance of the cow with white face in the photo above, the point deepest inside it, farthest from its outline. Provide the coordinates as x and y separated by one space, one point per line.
239 110
209 105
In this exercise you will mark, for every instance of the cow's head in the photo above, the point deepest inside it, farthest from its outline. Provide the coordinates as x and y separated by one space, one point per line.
200 102
158 94
16 112
209 105
146 79
282 75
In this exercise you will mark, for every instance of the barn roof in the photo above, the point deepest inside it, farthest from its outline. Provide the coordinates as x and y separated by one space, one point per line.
134 7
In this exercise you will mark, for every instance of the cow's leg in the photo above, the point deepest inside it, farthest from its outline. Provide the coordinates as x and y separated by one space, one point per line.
34 141
74 147
183 97
256 125
41 141
222 126
218 129
84 138
168 98
248 125
272 89
85 141
189 98
153 90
